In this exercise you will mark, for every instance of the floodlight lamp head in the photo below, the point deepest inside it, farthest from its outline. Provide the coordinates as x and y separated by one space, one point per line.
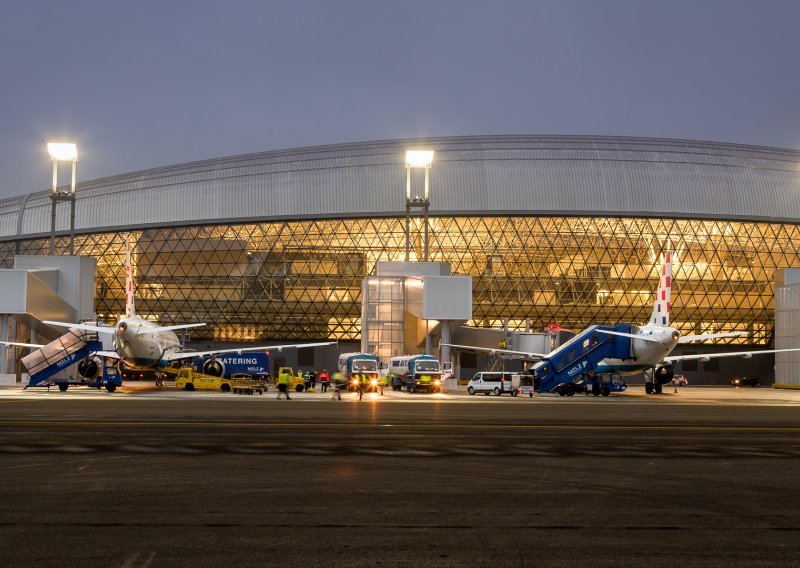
63 151
419 158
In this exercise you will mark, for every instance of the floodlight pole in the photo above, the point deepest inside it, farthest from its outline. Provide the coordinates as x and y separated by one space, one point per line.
417 202
55 197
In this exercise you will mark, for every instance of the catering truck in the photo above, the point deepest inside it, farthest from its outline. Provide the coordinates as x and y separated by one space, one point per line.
415 373
359 367
253 363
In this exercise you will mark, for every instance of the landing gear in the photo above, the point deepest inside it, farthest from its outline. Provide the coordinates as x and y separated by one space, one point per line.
63 387
648 388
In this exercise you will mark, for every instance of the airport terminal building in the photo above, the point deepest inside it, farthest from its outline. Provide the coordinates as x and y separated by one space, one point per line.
564 230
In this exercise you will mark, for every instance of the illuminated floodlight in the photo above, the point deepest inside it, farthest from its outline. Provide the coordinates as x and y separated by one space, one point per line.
419 158
62 151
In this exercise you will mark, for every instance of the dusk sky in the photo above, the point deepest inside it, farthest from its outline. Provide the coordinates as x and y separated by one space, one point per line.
151 83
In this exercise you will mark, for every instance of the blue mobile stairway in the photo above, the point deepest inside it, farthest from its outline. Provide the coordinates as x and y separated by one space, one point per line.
567 369
43 363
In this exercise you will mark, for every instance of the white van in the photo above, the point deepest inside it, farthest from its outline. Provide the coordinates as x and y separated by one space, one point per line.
494 382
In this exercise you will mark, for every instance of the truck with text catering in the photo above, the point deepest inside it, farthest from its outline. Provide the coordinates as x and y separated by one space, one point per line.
359 367
253 363
415 373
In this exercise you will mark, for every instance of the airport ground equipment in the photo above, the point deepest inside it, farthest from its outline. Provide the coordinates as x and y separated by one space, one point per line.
245 384
187 379
254 363
73 347
415 373
360 368
110 378
296 381
567 369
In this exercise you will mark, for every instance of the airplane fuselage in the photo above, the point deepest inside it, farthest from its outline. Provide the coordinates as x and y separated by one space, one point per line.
142 350
646 354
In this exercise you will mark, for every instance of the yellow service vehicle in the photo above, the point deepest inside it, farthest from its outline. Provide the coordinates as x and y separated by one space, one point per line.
187 379
296 381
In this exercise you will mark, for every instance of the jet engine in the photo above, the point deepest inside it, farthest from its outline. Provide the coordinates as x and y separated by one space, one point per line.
214 368
663 374
88 368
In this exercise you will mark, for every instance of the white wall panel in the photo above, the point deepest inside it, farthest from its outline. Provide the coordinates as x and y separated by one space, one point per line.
525 175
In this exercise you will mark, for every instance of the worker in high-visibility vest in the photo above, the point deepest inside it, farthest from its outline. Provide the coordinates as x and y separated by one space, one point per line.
283 385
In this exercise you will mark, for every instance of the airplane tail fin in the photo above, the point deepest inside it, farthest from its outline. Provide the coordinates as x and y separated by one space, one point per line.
130 308
661 307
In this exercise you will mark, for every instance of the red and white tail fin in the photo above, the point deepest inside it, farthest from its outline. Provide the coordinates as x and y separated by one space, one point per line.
661 307
130 309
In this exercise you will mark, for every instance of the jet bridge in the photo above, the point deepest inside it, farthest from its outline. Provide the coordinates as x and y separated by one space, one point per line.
576 360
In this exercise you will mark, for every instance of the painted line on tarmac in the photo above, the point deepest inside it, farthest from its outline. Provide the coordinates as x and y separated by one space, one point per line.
566 450
417 426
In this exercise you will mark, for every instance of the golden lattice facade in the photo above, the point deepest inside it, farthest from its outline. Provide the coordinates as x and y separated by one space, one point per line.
301 280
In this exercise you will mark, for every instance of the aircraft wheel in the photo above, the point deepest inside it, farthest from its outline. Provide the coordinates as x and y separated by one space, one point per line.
561 391
471 390
657 388
63 388
648 388
111 387
570 392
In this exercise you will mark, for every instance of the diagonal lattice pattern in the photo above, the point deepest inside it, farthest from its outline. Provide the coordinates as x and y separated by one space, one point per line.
301 280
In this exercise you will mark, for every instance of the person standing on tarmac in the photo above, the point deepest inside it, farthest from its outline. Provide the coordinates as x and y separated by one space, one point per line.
283 385
324 379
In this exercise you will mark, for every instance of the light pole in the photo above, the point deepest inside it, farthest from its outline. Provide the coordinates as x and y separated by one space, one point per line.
62 152
417 159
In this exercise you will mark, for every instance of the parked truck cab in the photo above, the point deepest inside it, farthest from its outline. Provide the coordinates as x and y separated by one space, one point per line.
359 368
415 373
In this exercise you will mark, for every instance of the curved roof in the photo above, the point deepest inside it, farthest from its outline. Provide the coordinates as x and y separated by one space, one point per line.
471 175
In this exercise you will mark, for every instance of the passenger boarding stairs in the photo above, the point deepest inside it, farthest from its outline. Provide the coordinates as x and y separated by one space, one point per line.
43 363
577 359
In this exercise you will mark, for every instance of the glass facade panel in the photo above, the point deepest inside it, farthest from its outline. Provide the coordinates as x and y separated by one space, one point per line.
301 280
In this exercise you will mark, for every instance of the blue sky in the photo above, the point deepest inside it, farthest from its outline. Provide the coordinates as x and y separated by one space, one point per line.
150 83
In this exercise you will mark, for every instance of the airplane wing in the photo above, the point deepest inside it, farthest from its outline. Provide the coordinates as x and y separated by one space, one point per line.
109 354
688 338
83 326
21 344
144 330
188 354
744 354
513 354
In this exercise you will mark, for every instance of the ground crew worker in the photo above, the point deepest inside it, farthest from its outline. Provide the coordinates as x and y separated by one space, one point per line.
283 385
324 379
338 378
313 381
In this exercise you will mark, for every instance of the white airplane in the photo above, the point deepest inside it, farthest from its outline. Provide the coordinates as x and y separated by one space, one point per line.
140 344
651 343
